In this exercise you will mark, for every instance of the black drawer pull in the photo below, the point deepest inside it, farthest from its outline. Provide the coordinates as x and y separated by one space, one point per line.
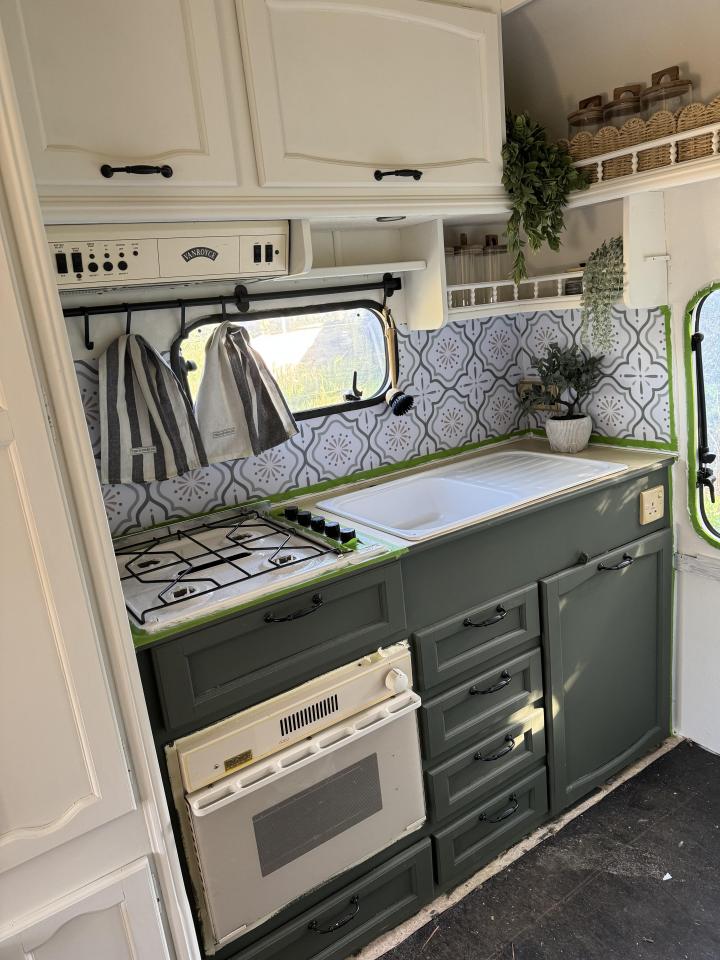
504 680
314 926
317 602
501 753
415 174
500 615
625 562
141 168
504 814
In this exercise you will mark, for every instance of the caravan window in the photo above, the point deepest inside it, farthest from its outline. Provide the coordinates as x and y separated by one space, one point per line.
316 354
704 333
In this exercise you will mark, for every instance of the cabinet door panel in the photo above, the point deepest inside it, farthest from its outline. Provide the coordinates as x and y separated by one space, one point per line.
63 767
607 630
339 89
115 918
140 83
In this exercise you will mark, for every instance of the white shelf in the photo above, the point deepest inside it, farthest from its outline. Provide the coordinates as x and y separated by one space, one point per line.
674 174
526 296
364 269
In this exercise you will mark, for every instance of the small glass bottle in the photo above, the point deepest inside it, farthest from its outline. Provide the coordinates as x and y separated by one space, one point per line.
624 105
668 91
588 118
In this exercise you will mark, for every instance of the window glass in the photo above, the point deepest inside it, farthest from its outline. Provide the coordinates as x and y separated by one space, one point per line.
707 323
312 355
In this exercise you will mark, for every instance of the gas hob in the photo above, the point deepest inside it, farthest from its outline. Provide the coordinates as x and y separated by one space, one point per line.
181 571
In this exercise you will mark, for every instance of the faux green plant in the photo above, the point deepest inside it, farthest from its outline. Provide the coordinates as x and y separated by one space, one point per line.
603 281
538 177
564 372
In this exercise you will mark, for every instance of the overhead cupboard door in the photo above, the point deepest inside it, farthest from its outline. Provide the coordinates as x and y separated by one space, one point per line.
135 83
339 90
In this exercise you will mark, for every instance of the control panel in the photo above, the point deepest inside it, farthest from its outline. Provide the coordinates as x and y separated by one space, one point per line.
123 254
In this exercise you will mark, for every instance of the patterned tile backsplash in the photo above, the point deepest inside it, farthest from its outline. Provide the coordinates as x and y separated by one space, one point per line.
464 380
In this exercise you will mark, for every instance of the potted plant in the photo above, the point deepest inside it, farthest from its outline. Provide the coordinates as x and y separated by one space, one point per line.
567 376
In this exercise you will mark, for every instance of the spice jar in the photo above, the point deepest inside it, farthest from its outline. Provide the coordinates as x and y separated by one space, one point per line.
588 118
624 105
668 91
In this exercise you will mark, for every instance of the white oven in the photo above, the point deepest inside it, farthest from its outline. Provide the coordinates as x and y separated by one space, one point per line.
324 777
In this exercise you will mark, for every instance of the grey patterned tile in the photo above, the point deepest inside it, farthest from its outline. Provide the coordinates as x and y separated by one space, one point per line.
464 380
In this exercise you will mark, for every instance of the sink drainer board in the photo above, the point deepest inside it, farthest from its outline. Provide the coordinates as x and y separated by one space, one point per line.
445 498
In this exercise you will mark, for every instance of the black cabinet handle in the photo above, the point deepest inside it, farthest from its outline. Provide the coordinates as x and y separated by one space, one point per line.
317 602
501 614
141 168
415 174
501 753
504 814
625 562
315 927
504 680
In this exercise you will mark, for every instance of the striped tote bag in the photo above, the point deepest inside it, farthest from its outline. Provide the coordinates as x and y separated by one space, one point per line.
147 427
239 407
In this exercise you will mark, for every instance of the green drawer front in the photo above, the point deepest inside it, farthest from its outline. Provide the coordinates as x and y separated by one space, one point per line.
491 827
356 915
480 702
465 642
218 669
478 771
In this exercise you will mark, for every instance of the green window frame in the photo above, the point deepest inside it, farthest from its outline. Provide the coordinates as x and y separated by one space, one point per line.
702 361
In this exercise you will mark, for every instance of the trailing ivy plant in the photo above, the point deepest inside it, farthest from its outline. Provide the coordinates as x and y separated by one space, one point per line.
603 280
538 177
567 377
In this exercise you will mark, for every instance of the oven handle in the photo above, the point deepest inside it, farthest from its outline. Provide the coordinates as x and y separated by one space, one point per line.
210 799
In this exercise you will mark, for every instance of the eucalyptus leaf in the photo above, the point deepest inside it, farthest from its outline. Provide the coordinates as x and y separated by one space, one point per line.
538 177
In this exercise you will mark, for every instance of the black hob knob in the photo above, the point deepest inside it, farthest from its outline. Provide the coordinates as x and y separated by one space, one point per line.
347 534
291 513
317 524
303 518
332 529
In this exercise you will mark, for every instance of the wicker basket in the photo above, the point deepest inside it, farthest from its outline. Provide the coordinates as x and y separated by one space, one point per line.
581 147
606 140
660 124
690 117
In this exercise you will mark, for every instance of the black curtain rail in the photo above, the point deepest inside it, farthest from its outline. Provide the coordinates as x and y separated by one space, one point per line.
241 300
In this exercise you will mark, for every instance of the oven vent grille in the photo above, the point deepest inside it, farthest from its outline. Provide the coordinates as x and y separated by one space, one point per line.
310 714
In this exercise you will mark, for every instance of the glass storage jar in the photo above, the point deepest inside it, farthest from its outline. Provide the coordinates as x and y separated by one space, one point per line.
668 91
624 105
588 118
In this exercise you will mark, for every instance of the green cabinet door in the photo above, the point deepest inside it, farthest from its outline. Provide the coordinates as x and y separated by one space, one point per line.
606 631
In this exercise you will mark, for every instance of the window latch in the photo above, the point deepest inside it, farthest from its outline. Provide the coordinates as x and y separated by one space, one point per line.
353 393
706 479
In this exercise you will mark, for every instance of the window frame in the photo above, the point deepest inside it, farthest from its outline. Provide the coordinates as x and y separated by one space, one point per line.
701 478
178 366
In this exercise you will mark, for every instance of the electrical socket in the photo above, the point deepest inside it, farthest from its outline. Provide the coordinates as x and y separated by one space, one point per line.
652 505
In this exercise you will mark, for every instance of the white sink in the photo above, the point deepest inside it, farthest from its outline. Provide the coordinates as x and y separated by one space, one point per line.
451 496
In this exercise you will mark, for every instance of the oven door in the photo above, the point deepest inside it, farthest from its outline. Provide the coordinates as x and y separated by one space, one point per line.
287 824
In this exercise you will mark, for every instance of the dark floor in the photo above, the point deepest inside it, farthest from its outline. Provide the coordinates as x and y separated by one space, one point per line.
598 889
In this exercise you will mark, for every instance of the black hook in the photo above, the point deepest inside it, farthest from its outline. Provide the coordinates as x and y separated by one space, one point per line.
183 332
89 344
128 319
354 393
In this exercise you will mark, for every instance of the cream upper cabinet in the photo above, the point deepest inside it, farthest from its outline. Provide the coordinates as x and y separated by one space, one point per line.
338 90
138 82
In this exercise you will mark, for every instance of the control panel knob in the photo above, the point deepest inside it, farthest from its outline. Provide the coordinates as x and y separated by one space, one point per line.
332 529
347 534
303 518
317 524
397 681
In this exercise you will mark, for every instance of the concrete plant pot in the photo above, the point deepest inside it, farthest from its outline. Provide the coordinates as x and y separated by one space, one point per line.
568 434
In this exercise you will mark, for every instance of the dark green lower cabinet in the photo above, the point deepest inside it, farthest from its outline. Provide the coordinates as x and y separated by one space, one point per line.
606 626
354 916
489 828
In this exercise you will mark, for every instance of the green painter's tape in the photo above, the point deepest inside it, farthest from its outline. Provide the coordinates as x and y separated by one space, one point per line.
693 496
142 638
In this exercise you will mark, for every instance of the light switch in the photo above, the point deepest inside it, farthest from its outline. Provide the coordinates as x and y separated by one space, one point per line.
652 505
